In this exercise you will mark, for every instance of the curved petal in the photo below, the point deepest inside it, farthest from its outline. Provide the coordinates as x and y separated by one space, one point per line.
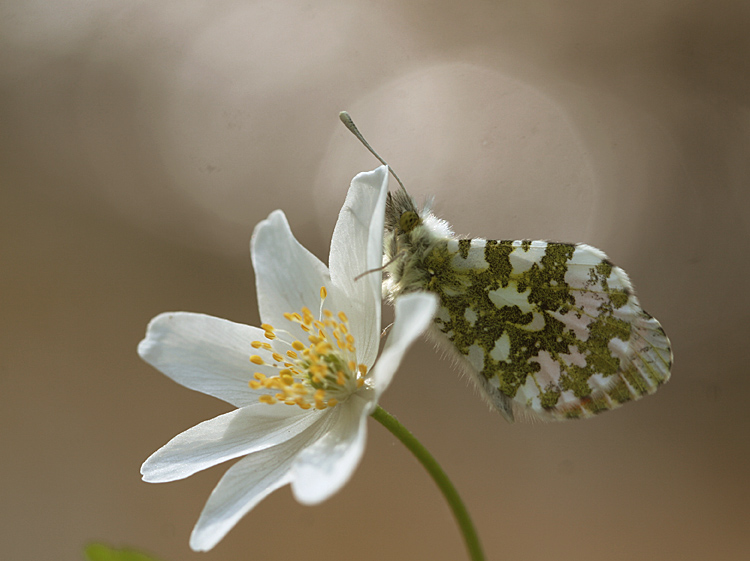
244 485
204 353
357 247
414 314
234 434
323 468
287 276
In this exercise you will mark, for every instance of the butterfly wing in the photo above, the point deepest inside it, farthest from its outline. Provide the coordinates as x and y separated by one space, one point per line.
551 328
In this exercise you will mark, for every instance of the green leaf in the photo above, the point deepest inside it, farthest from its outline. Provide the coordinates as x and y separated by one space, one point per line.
101 552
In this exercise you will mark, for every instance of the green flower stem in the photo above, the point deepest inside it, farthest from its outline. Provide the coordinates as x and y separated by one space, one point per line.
438 475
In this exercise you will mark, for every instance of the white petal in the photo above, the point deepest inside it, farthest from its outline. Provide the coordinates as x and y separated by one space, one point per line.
357 247
414 314
204 353
323 468
244 485
234 434
287 275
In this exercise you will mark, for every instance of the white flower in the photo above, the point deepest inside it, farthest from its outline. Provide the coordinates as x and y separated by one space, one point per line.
303 383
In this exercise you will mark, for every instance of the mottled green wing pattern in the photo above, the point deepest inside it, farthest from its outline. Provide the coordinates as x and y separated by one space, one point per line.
551 328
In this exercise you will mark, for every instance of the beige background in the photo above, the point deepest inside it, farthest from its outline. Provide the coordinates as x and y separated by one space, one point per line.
142 141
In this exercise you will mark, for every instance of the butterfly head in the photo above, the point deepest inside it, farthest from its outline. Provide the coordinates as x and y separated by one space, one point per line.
401 213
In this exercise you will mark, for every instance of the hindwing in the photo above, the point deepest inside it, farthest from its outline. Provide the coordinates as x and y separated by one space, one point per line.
550 328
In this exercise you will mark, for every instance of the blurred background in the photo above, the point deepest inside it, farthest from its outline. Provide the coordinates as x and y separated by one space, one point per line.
141 143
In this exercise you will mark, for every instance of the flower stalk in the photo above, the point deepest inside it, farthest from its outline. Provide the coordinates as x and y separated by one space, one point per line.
471 538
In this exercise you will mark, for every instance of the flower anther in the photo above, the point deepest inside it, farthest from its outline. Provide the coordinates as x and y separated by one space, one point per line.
321 373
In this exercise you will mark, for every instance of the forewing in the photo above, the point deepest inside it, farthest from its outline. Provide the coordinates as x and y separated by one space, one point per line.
555 328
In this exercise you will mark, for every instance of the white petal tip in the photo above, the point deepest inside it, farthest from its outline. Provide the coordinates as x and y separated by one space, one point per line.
311 497
148 478
199 547
205 539
374 178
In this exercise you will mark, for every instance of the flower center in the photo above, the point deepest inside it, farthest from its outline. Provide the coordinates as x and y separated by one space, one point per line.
319 374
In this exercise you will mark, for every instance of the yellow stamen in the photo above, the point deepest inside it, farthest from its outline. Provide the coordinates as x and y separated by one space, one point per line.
316 373
323 293
320 369
323 347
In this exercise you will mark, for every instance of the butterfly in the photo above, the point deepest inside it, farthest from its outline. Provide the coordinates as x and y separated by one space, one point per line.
547 330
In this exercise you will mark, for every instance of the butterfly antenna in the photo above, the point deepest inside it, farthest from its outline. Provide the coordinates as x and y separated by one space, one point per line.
349 124
359 276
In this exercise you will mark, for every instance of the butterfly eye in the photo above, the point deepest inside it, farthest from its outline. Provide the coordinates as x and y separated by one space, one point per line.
408 221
